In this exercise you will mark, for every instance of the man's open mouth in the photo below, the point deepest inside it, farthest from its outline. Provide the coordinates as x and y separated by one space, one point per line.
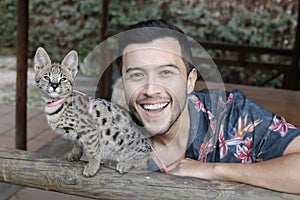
155 107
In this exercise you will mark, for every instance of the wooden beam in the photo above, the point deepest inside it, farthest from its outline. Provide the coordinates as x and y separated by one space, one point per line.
221 62
21 93
104 84
49 173
291 77
104 18
248 49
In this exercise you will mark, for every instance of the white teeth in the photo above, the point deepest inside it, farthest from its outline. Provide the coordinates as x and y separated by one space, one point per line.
155 106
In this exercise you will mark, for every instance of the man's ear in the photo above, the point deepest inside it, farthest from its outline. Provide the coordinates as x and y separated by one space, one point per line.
70 62
191 80
41 59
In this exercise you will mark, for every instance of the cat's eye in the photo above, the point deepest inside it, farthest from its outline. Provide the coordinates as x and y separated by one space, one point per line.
62 79
47 78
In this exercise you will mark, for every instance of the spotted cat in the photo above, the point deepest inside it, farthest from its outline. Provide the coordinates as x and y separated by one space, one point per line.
105 131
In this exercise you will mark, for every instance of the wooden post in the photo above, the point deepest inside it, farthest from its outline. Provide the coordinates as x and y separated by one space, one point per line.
291 77
49 173
21 93
104 84
104 18
297 49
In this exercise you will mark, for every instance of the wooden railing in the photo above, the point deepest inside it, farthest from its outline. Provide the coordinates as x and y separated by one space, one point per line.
244 51
55 174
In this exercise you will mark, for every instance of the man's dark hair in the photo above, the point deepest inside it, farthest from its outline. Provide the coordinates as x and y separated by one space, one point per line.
147 31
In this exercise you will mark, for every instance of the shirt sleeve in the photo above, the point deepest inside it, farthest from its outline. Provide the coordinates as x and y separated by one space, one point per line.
252 132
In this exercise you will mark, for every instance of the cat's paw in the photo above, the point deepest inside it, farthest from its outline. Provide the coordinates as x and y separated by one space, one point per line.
142 167
72 157
124 167
90 170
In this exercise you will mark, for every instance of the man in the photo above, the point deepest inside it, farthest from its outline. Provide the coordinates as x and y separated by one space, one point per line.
206 134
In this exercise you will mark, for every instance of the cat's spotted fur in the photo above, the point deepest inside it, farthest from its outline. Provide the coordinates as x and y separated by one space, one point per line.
104 130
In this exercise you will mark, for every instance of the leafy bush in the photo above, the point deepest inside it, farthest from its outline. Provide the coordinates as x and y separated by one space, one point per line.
8 24
63 25
75 24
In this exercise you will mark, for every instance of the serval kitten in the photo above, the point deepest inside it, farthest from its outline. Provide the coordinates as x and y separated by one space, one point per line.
105 131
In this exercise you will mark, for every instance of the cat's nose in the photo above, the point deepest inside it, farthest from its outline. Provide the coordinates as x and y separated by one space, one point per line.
54 85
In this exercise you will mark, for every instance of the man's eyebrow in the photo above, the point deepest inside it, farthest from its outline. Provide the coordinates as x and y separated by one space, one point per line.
132 69
169 65
129 69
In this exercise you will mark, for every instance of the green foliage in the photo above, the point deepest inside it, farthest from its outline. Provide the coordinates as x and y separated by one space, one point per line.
59 26
233 23
69 24
75 24
8 24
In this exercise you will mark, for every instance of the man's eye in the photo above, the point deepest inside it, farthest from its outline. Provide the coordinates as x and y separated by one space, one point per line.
136 76
47 78
166 72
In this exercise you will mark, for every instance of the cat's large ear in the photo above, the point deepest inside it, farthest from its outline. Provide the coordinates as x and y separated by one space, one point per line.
70 62
41 59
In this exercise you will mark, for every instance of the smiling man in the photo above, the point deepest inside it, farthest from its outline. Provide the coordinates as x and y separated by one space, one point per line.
206 134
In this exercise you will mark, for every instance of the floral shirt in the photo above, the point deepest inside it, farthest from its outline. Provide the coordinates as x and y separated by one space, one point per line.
230 127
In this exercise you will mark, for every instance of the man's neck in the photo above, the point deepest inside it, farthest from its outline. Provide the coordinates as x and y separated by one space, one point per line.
171 146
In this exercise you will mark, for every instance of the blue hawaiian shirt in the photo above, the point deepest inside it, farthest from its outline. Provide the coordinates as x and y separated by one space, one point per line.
230 127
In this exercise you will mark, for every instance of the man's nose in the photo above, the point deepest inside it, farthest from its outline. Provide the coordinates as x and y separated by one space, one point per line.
152 89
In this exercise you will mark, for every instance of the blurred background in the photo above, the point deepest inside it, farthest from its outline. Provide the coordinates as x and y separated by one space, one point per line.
60 26
253 43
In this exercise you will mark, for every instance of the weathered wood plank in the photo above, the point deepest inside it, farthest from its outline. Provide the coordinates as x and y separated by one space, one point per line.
57 147
49 173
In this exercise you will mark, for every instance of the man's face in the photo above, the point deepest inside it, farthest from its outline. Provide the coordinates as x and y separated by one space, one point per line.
155 83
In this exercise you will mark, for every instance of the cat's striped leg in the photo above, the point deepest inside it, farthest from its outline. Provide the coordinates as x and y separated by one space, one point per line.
92 151
76 153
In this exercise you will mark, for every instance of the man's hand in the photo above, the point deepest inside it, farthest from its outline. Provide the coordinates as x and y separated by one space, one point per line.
281 174
194 168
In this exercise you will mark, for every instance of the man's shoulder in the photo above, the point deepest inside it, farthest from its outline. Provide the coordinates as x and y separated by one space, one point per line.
205 92
208 96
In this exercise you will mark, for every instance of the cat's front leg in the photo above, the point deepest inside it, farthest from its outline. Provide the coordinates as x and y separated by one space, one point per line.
124 167
92 151
140 164
92 167
76 153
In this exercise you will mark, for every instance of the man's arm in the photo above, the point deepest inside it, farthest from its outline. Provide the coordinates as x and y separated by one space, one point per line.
280 174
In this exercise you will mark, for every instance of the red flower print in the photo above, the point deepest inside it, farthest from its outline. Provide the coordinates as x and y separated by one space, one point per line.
229 100
210 115
281 126
222 143
248 142
244 152
212 122
213 125
205 149
198 104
